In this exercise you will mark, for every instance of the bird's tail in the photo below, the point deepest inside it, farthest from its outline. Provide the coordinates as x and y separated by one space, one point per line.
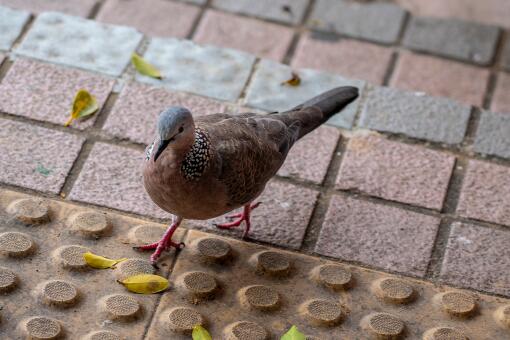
316 111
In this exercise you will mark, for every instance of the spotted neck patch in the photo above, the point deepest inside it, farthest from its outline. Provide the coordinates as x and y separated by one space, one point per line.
148 151
197 159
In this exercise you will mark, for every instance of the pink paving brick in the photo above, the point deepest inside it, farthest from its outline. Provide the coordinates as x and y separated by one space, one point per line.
309 159
254 36
80 8
441 77
485 193
479 258
112 177
135 113
153 17
281 219
45 92
34 157
378 235
396 171
501 98
349 58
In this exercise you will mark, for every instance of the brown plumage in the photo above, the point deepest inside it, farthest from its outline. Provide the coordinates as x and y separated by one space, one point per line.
205 167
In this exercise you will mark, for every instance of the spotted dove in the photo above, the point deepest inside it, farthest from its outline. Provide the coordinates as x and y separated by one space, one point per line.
203 167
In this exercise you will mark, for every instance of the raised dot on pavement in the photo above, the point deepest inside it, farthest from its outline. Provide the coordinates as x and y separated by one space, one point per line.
120 306
30 210
200 284
245 330
41 327
182 319
444 333
71 257
332 276
503 316
213 249
8 280
16 244
322 312
456 303
131 267
146 233
259 297
59 293
273 263
102 335
383 325
393 290
90 224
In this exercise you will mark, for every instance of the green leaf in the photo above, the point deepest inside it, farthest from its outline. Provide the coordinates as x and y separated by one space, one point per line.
145 283
84 104
200 333
42 170
293 334
144 67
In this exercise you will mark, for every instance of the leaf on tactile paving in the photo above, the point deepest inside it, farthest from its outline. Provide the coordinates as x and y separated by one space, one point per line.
295 80
84 104
200 333
145 283
293 334
144 67
100 262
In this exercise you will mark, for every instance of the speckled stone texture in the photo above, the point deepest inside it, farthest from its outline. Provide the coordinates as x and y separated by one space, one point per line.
350 58
493 134
266 91
82 43
207 70
288 11
152 17
377 21
263 39
34 157
415 115
395 171
505 59
378 235
440 77
501 97
45 92
309 158
469 41
112 177
81 8
281 219
135 112
477 257
11 25
485 192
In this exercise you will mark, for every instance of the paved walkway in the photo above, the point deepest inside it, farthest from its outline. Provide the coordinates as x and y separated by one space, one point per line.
411 179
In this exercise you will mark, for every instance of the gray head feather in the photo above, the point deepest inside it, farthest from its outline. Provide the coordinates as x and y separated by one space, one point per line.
171 120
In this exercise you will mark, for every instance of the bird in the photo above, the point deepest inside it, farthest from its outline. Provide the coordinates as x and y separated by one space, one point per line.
206 166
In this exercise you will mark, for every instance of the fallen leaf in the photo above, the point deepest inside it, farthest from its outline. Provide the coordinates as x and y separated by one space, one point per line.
145 283
293 334
42 170
84 104
200 333
100 262
294 81
144 67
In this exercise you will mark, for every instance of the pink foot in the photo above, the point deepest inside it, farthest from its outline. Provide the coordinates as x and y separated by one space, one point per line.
163 244
243 216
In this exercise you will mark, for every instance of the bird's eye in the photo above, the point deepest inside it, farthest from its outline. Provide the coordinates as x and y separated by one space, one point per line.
181 129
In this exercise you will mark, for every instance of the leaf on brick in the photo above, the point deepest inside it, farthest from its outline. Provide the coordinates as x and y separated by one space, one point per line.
295 80
145 283
293 334
200 333
100 262
144 68
84 104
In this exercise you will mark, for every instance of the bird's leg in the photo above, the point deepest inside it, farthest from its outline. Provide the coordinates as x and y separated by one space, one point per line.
165 242
238 215
244 216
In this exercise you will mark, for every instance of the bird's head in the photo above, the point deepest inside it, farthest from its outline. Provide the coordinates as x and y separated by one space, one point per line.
175 128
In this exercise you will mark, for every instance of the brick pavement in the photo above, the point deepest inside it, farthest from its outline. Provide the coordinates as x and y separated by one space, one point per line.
375 199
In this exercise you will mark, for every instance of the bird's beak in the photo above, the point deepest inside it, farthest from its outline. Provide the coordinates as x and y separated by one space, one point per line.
162 145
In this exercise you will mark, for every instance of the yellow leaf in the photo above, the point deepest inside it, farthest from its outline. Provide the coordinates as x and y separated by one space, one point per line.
294 81
145 283
200 333
84 104
100 262
144 67
293 334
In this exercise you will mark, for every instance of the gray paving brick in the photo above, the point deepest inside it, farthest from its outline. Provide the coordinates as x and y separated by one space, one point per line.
197 2
78 42
493 134
415 114
375 21
207 70
81 8
266 91
268 9
11 25
506 54
453 38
